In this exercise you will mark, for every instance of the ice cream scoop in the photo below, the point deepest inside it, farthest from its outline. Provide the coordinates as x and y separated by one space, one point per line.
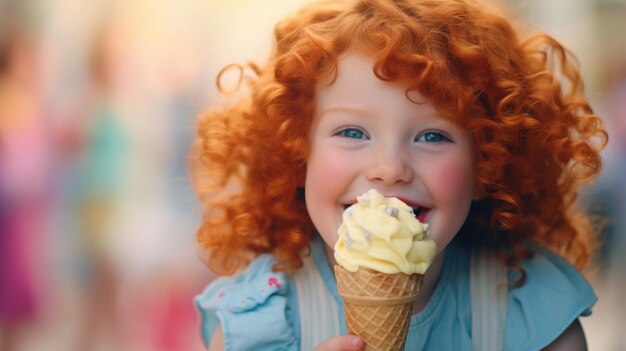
382 234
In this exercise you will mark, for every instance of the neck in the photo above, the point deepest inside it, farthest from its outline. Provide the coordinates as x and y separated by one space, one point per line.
430 278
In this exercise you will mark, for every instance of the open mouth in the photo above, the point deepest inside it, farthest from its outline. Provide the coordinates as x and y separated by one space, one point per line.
421 213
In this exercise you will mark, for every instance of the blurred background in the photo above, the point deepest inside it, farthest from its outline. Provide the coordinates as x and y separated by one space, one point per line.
98 102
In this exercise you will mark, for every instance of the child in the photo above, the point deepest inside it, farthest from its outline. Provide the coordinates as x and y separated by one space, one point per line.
439 103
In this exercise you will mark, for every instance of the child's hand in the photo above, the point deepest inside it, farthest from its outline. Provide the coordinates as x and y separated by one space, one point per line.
343 342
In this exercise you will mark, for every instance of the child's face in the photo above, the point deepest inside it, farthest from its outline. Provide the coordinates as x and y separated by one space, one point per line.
367 134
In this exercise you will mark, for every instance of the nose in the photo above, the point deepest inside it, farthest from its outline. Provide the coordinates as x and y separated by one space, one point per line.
389 169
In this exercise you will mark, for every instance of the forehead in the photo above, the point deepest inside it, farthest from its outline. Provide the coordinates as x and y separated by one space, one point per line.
353 74
354 81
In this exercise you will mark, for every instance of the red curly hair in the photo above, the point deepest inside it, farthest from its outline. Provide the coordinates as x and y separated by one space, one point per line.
537 138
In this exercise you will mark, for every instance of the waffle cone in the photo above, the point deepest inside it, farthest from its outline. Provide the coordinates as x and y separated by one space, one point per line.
378 306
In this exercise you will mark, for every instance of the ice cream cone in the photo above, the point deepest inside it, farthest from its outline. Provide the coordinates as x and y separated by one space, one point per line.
378 306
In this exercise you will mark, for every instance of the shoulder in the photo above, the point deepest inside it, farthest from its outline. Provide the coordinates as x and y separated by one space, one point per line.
554 295
248 307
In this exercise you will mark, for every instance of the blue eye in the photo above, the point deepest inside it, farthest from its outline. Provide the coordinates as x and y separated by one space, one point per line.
432 137
353 133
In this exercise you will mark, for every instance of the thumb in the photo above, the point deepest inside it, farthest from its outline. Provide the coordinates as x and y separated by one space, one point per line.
343 342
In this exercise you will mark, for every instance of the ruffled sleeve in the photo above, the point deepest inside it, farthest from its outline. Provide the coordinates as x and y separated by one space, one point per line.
554 295
251 308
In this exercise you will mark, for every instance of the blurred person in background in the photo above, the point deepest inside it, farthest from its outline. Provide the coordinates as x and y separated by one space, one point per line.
24 185
102 145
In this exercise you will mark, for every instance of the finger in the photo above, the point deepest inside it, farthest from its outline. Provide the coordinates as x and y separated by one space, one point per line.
344 342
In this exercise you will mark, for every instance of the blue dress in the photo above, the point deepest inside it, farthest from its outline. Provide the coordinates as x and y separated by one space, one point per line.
260 310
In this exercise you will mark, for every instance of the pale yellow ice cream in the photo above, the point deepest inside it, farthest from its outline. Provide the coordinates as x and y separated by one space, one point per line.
383 235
